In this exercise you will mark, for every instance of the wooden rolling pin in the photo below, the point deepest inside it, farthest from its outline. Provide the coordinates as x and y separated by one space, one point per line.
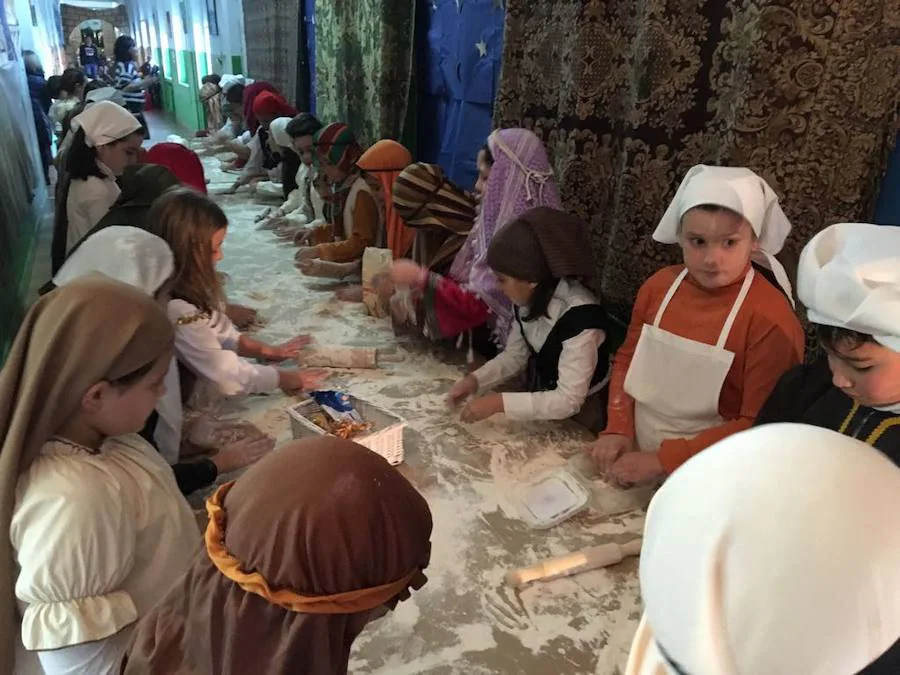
581 561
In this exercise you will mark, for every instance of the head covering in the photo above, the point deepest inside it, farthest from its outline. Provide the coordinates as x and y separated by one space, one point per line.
127 254
228 81
181 161
272 103
300 550
105 94
743 192
775 551
426 199
442 211
385 160
542 244
209 90
104 123
521 179
337 144
91 330
251 91
278 129
849 277
303 124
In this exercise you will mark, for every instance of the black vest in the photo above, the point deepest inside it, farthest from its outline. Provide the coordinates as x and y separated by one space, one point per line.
543 366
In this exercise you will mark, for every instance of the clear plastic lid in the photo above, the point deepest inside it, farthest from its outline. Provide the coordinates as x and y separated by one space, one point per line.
551 499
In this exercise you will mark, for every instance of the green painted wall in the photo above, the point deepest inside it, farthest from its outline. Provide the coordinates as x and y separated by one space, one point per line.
236 66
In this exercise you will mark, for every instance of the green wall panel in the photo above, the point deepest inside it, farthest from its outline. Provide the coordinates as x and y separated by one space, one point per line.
236 65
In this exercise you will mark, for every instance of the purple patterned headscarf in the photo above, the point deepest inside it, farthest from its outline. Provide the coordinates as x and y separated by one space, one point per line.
521 179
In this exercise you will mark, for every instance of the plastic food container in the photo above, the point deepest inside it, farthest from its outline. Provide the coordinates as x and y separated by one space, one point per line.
385 438
551 499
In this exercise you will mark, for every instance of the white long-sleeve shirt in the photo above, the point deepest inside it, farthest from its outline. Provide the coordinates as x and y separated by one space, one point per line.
304 205
577 362
207 345
88 201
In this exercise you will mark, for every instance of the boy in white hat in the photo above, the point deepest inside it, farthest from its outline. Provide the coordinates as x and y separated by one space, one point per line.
849 281
709 339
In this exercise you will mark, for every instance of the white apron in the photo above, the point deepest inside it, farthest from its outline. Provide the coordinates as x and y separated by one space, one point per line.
676 382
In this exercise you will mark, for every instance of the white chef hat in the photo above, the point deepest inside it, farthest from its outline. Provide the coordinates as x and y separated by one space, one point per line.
278 129
105 122
775 552
741 191
127 254
228 81
849 277
106 94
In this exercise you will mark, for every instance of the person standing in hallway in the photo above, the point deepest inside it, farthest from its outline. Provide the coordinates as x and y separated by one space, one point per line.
40 108
709 339
89 57
129 80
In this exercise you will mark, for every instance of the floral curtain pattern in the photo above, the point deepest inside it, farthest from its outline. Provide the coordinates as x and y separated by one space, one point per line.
629 95
364 55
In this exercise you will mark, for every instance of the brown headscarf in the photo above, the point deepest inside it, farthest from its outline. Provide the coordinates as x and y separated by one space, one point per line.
542 244
66 344
316 534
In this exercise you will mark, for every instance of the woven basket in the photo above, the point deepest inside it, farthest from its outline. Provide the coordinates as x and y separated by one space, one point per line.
385 438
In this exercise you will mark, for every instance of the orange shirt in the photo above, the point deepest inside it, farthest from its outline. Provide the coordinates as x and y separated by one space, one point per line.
767 340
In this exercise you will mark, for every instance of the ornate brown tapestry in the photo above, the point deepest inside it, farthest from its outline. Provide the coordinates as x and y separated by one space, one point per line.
629 95
271 28
364 51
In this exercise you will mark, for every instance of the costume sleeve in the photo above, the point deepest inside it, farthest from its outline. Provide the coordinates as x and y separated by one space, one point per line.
362 233
297 200
772 351
255 162
620 410
577 364
103 657
204 344
75 545
795 392
508 363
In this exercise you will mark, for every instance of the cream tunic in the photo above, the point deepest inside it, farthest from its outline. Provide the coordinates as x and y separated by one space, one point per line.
98 539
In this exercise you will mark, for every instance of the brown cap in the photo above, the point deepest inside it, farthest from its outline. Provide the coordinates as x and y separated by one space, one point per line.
541 244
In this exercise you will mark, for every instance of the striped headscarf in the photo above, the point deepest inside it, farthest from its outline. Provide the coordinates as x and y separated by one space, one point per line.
337 145
426 199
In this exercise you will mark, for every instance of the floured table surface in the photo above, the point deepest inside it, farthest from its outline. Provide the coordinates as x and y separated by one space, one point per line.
464 620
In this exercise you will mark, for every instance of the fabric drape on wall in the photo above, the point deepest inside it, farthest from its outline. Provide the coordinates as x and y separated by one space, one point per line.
629 95
364 56
271 31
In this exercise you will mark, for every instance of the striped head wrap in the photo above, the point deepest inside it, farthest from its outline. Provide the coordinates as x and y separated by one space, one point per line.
426 199
337 145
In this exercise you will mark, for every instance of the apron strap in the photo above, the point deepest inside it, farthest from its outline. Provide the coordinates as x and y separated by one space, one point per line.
665 303
729 322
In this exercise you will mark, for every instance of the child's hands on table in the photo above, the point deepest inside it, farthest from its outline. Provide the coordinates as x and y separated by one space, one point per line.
634 468
482 408
607 449
309 379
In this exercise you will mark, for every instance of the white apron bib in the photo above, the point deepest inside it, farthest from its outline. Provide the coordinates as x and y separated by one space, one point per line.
676 382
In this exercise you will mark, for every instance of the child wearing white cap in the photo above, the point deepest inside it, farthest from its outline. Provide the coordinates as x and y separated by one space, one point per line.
775 552
849 281
709 339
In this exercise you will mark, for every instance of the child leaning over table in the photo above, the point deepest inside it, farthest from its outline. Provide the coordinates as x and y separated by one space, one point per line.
558 337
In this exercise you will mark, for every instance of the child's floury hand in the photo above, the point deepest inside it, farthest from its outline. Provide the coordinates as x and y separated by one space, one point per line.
459 392
288 350
482 408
